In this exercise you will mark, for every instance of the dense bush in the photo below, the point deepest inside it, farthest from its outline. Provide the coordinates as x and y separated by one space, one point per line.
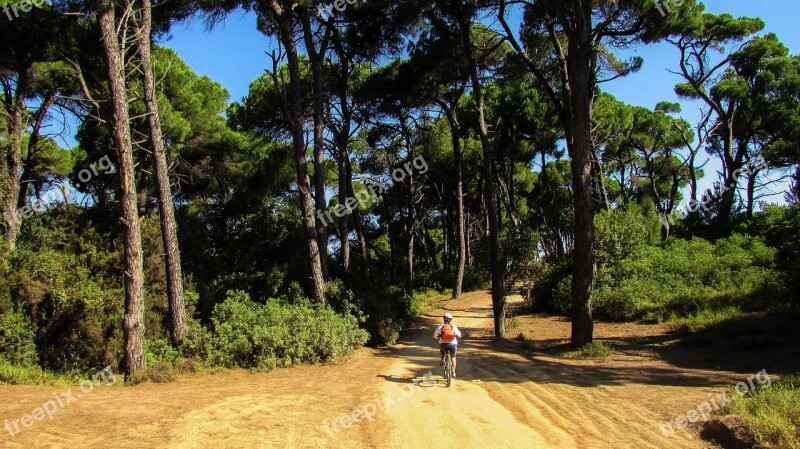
159 351
61 303
76 312
388 310
383 310
249 334
560 299
684 277
17 340
65 280
623 233
780 226
551 287
637 277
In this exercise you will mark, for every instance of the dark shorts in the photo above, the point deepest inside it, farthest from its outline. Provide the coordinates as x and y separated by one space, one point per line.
452 346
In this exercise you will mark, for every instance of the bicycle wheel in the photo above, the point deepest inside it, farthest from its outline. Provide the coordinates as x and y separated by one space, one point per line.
448 368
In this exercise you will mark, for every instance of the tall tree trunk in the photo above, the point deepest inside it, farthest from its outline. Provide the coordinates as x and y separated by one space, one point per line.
12 162
410 258
315 59
730 164
495 258
133 321
342 143
600 177
410 232
452 120
467 253
300 160
693 178
751 193
445 237
169 233
392 251
579 145
357 219
343 231
428 243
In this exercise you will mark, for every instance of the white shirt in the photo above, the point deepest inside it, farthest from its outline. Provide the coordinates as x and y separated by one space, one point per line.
438 334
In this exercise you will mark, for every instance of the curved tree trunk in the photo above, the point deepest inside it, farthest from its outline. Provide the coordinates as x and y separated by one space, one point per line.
496 263
133 321
452 120
300 160
315 58
169 233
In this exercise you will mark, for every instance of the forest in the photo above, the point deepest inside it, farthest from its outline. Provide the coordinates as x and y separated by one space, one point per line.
393 153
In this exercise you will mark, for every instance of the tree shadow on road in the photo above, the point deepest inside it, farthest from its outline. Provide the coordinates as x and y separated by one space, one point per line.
675 359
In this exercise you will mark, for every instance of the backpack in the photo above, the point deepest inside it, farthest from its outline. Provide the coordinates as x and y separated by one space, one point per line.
448 333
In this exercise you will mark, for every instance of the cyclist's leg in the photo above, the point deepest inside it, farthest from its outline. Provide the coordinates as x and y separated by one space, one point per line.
441 353
453 350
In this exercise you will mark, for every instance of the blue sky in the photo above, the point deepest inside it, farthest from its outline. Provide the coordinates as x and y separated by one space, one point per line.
654 83
233 54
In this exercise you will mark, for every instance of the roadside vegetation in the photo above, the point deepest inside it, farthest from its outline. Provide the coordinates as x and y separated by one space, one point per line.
772 414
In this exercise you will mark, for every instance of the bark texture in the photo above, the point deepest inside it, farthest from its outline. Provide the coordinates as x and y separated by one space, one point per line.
169 229
133 320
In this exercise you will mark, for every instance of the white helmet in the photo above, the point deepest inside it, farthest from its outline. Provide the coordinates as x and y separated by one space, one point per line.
448 316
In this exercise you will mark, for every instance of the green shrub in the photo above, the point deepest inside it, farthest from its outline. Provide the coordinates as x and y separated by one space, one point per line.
387 331
704 317
196 340
773 413
252 335
75 305
622 234
561 302
160 350
780 226
425 301
550 287
342 300
685 277
17 340
681 279
625 302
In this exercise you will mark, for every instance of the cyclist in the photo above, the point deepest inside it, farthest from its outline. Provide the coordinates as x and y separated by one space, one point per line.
447 334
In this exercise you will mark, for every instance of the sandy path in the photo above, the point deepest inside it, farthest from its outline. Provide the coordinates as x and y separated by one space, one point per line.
501 399
464 415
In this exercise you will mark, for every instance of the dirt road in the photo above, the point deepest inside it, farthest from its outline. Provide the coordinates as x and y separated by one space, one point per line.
502 398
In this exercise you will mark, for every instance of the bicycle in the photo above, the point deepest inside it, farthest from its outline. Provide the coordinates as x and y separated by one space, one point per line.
448 367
